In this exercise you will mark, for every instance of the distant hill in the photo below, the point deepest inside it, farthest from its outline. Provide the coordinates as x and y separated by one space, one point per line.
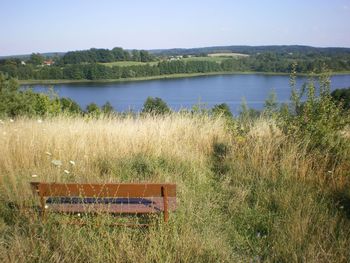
26 56
250 50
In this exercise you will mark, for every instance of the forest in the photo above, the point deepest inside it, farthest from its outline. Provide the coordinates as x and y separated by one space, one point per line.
91 64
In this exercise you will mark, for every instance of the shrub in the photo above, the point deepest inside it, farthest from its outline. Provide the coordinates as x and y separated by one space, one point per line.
222 110
247 114
155 106
69 105
271 105
14 102
342 97
107 108
93 109
314 115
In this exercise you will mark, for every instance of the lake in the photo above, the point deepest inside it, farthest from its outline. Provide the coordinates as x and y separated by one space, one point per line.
185 92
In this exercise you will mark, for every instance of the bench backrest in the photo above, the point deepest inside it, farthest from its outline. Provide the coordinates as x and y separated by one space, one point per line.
163 197
104 190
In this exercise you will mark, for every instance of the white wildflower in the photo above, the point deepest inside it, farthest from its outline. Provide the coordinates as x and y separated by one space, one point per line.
11 120
341 207
78 214
56 162
40 121
34 175
46 206
48 153
66 171
72 162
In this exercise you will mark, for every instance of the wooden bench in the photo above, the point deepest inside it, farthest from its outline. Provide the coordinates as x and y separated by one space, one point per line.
135 198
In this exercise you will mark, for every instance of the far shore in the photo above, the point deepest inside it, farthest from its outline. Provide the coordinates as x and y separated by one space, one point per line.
159 77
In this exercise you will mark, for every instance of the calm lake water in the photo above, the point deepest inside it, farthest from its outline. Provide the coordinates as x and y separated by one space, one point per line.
184 93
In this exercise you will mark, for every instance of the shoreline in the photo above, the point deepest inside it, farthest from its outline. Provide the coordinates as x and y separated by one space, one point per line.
160 77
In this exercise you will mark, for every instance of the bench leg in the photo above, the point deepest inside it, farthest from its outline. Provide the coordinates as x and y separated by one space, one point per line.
165 202
43 212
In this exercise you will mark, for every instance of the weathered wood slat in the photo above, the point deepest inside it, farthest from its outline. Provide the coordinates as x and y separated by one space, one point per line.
104 190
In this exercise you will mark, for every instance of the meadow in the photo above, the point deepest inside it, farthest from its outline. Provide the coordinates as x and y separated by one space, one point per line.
211 58
228 54
127 63
247 192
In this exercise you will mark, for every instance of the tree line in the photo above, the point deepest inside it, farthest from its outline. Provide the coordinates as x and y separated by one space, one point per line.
96 71
95 55
266 62
295 50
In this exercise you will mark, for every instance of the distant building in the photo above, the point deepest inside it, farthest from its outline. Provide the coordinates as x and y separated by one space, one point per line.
23 63
174 58
48 62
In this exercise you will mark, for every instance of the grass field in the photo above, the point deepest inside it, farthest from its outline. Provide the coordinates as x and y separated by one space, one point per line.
128 63
213 59
254 197
228 54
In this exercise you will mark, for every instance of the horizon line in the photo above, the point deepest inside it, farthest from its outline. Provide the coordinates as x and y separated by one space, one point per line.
184 48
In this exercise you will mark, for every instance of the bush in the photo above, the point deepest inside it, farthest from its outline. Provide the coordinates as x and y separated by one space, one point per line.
222 110
155 106
317 117
246 114
14 102
69 105
93 109
342 97
107 108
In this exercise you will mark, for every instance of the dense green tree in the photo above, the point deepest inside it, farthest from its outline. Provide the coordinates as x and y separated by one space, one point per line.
36 59
74 72
145 56
135 55
120 54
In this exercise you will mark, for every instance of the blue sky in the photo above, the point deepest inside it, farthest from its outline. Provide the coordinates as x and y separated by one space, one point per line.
62 25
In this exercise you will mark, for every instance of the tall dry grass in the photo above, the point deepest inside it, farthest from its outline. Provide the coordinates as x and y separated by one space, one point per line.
28 146
153 149
259 196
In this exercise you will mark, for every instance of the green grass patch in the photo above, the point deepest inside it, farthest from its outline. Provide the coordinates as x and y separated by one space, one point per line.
211 59
128 63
